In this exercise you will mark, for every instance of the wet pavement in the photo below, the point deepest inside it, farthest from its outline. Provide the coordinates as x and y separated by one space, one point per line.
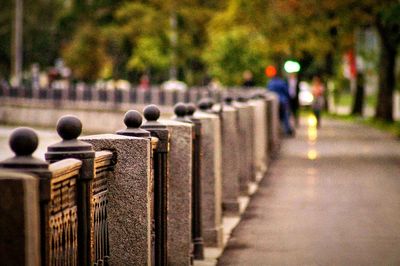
331 198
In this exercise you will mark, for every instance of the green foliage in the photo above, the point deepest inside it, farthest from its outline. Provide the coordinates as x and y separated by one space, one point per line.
40 43
85 54
149 53
231 53
123 38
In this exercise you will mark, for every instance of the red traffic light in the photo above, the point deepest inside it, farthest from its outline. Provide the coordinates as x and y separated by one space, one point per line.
270 71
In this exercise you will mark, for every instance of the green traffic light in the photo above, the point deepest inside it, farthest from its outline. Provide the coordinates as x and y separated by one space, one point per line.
291 66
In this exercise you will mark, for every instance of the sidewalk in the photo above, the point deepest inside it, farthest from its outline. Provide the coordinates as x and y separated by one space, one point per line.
331 198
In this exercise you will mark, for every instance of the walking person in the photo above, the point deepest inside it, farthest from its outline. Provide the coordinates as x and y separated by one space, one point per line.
248 80
294 89
317 89
280 87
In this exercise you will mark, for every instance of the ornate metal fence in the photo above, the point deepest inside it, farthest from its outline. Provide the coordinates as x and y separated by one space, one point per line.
103 170
61 215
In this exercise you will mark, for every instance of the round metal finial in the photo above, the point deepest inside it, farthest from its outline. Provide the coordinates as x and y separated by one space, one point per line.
191 108
69 127
151 112
133 119
242 99
228 100
258 95
23 141
180 109
210 103
205 104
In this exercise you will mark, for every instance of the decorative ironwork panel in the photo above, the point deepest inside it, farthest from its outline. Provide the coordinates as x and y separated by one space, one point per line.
63 218
104 168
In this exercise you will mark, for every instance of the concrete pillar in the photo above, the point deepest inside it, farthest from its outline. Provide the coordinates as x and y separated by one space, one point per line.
155 96
179 217
211 182
274 127
141 95
169 97
260 136
19 225
230 161
129 198
244 120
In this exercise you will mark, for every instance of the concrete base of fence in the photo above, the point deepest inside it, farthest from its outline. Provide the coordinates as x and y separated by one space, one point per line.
179 217
260 135
129 198
46 114
230 161
274 123
245 116
19 224
211 182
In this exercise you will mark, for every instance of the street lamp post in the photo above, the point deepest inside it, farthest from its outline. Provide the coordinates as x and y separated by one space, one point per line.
18 42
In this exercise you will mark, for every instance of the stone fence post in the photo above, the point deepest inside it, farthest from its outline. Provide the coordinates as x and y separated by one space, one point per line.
274 125
129 198
245 138
260 136
197 158
69 128
210 175
19 225
230 159
161 172
23 142
180 189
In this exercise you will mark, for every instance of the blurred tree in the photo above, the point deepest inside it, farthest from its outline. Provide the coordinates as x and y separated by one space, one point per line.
386 17
6 17
85 54
324 30
149 54
232 52
40 43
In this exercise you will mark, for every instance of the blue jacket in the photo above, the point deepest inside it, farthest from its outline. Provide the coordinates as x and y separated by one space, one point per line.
280 87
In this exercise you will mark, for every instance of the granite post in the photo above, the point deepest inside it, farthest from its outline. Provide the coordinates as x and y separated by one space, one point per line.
23 142
273 118
230 160
169 97
69 128
179 217
244 118
140 96
156 95
260 137
19 225
129 198
211 182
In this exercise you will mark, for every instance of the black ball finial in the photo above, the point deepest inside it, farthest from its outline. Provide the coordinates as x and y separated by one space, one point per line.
23 141
228 100
133 119
203 104
151 112
206 104
191 108
210 103
69 127
242 99
180 109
